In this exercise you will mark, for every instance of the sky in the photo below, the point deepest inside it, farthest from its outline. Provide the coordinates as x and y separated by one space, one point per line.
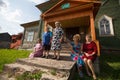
16 12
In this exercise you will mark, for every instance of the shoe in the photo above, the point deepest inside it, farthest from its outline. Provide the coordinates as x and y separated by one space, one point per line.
89 74
81 74
54 57
94 77
46 57
58 58
43 56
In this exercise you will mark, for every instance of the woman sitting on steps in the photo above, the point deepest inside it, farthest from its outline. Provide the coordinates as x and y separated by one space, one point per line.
76 53
90 54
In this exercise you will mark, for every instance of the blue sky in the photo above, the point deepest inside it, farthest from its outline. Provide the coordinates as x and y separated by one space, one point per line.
15 12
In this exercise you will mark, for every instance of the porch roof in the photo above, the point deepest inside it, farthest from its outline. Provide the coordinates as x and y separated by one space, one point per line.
75 22
46 5
83 4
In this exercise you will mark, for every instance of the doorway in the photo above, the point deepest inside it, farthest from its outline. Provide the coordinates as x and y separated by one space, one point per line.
70 32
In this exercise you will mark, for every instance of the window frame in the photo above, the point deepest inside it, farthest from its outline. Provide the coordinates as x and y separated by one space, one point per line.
110 24
30 36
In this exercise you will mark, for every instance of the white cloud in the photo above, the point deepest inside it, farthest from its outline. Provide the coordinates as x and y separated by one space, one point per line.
14 16
10 18
38 1
2 4
8 14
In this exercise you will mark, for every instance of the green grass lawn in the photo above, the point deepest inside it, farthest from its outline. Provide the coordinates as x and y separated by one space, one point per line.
9 56
109 63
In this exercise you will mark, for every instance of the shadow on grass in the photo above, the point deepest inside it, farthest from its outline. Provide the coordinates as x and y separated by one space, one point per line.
109 66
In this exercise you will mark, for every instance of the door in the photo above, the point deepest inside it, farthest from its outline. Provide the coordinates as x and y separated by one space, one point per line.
70 32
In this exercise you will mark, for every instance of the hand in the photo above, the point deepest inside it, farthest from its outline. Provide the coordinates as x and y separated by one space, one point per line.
49 43
60 40
87 54
34 51
77 54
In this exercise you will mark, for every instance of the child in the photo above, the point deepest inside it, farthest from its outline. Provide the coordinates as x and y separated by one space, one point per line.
38 50
76 53
47 36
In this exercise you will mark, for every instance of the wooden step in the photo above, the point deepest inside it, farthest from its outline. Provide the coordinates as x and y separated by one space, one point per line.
61 67
68 49
48 63
65 51
18 67
64 55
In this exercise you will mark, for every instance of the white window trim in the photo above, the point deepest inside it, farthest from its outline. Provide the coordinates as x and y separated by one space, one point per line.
111 25
30 37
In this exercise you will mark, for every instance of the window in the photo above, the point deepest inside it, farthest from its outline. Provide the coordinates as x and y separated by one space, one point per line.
30 36
105 26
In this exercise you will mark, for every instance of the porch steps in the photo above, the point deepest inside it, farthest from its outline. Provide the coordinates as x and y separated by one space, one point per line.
47 63
62 68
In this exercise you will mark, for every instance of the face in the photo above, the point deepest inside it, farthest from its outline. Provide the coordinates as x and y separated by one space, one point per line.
88 38
39 41
75 39
57 24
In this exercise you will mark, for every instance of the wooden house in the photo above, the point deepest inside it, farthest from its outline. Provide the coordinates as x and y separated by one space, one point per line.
100 18
31 34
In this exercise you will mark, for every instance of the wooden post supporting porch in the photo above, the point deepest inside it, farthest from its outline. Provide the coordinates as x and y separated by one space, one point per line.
45 25
92 27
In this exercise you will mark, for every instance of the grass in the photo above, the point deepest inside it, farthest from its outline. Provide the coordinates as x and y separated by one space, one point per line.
10 56
109 63
110 66
53 72
30 76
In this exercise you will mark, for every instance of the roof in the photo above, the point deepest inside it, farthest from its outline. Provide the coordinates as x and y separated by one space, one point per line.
46 5
95 3
4 33
5 37
29 24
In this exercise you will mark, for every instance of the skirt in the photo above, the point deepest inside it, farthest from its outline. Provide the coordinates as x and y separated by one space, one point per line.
78 59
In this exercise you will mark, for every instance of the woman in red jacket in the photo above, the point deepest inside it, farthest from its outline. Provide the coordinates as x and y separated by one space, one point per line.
90 54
